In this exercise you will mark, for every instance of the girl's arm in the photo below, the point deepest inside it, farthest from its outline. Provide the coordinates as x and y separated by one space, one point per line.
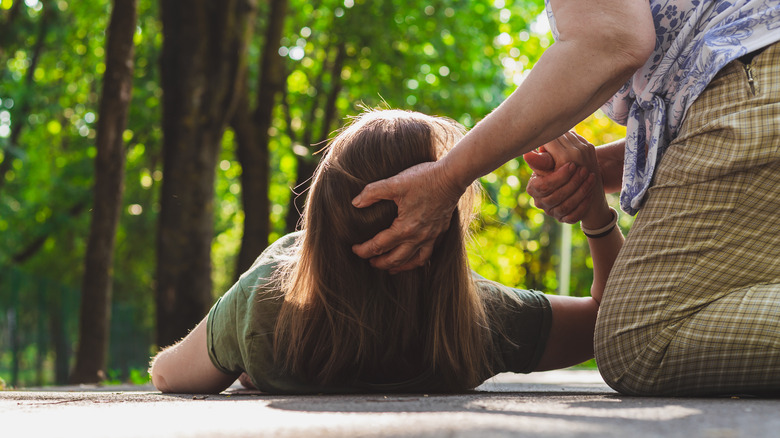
185 367
574 318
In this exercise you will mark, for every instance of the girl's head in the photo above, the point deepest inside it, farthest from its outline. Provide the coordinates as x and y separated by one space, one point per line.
345 322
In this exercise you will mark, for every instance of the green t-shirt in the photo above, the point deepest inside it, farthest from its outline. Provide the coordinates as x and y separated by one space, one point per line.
241 328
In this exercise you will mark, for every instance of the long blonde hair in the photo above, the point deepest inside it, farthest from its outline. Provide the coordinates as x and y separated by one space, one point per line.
344 322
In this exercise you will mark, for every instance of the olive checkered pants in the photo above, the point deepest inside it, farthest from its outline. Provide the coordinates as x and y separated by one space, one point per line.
692 305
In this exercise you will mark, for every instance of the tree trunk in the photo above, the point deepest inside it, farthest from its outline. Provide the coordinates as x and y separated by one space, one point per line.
109 187
59 336
306 165
252 138
202 61
13 335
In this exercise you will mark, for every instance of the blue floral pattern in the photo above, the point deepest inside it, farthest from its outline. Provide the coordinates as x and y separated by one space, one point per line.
694 40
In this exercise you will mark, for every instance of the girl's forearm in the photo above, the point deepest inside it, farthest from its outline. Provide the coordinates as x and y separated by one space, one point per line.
604 252
604 248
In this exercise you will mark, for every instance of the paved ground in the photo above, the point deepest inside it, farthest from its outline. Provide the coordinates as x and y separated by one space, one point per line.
552 404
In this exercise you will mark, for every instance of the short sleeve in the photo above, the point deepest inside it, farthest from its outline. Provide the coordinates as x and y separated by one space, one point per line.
222 333
241 324
520 323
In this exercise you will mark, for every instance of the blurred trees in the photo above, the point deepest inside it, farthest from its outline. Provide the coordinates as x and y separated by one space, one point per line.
237 139
203 57
107 201
251 127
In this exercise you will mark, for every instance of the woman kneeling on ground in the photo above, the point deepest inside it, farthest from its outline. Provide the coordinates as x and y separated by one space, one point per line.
310 316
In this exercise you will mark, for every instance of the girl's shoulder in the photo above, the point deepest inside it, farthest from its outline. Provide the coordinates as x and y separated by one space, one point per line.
519 321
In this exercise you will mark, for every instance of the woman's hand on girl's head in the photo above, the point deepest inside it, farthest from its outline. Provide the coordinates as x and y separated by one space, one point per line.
425 201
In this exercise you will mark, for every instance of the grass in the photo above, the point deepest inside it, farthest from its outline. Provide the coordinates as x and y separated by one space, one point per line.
587 365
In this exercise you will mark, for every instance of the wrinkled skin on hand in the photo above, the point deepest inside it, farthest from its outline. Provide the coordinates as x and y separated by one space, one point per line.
563 189
426 198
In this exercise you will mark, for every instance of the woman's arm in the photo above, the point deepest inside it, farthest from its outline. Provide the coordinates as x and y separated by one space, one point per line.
594 56
186 367
596 53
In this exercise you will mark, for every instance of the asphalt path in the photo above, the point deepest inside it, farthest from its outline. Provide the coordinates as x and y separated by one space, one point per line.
551 404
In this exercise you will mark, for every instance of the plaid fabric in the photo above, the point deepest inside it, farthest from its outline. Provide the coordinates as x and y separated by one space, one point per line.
692 306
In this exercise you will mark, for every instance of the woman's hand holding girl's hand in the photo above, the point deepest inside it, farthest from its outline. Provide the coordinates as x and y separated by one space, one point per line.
426 198
566 182
563 192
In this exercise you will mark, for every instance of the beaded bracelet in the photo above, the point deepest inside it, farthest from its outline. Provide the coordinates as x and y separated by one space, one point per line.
603 231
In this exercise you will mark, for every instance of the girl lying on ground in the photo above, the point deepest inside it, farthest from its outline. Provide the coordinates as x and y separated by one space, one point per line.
310 316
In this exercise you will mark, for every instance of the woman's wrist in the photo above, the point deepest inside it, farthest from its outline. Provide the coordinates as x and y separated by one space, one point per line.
453 180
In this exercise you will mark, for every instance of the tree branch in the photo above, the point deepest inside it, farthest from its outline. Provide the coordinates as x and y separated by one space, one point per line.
24 107
50 228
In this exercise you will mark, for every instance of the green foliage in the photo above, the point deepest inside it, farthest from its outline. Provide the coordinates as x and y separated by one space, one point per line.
517 244
50 76
139 376
455 58
587 365
136 376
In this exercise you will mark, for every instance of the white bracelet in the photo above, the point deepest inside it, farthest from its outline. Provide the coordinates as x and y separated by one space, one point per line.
603 231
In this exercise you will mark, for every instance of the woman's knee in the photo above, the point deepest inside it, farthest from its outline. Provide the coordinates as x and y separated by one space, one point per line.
627 361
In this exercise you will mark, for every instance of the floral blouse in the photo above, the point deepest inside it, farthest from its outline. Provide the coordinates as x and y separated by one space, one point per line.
694 40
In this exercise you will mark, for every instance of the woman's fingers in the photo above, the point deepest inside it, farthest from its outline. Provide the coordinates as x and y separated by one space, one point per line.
578 212
557 149
419 259
392 260
570 147
550 190
385 254
425 205
383 242
400 248
566 193
573 209
373 193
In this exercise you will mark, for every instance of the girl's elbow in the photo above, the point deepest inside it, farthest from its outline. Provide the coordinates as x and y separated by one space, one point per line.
159 382
156 371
